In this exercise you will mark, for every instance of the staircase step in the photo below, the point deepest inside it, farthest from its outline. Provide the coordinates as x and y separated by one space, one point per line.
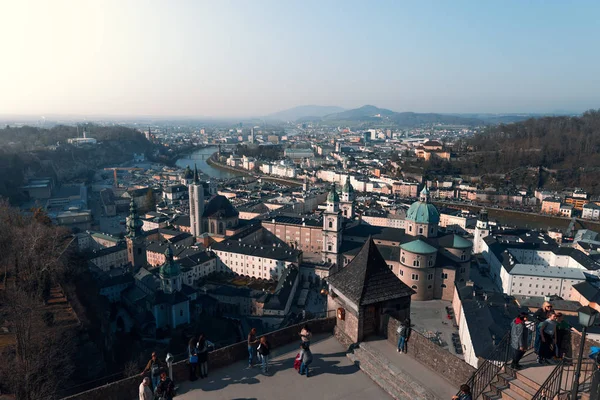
522 388
491 396
510 394
531 383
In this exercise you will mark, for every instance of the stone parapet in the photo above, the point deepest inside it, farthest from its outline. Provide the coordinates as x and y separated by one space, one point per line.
446 364
128 388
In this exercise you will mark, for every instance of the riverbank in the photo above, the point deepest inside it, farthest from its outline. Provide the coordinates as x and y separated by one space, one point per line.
212 161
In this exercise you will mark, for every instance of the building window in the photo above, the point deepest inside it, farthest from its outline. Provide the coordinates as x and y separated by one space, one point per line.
429 277
462 269
414 287
429 287
401 273
420 230
416 263
444 275
330 224
430 262
402 259
415 277
410 228
443 285
328 247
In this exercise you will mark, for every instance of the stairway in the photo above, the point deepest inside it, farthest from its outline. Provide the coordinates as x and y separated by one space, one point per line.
511 385
389 377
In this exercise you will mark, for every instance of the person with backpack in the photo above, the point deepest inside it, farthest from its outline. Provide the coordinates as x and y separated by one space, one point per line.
166 387
264 349
518 339
306 358
193 358
404 331
153 367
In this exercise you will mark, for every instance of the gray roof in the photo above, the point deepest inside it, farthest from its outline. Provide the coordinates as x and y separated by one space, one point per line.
220 207
367 279
588 291
283 253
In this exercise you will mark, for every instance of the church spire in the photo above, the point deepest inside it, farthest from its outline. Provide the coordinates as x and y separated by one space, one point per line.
196 179
134 224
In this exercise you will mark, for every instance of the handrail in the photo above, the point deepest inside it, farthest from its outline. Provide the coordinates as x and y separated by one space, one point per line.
489 369
551 386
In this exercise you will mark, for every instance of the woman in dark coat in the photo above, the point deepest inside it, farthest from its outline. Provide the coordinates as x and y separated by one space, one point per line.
203 356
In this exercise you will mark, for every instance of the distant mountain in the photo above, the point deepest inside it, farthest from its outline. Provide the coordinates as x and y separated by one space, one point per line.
311 111
371 113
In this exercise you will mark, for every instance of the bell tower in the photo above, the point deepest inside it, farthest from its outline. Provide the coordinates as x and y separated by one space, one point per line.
482 230
136 243
332 227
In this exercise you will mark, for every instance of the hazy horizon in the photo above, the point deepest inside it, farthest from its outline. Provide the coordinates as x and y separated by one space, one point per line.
234 59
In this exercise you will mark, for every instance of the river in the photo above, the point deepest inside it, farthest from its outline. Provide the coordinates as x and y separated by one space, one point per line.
199 157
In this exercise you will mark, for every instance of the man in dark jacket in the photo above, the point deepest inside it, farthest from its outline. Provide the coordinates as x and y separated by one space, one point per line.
518 339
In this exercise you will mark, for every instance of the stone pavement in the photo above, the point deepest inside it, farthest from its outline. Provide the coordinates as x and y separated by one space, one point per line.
333 376
420 374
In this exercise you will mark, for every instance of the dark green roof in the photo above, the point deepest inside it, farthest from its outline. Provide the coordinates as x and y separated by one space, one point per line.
418 247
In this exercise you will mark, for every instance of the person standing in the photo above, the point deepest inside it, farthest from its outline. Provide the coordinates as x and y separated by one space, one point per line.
306 359
465 393
306 334
145 391
193 358
404 331
518 339
547 339
538 317
264 349
153 367
252 342
166 387
563 332
203 356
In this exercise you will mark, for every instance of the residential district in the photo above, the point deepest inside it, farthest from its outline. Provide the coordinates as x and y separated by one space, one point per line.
267 229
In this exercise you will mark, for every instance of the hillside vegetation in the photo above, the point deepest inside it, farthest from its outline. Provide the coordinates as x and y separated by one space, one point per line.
566 149
25 153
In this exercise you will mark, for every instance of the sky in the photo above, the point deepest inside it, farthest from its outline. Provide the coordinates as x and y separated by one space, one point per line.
255 57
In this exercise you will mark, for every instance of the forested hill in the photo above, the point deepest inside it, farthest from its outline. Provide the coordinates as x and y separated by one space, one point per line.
569 145
560 142
25 152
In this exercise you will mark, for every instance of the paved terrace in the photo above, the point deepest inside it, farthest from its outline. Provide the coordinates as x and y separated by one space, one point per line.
333 376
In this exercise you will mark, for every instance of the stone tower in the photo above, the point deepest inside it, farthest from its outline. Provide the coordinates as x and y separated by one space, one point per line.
136 243
170 273
332 227
347 203
482 230
196 197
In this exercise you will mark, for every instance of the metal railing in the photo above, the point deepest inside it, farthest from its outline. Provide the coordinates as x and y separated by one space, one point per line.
491 366
561 379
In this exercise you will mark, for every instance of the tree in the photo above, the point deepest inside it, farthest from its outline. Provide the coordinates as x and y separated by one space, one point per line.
34 258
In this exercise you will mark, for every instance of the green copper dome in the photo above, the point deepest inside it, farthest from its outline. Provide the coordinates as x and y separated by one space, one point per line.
422 211
333 197
170 268
460 243
348 186
418 247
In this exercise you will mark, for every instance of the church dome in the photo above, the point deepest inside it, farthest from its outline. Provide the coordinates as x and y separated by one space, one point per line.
333 197
422 211
170 268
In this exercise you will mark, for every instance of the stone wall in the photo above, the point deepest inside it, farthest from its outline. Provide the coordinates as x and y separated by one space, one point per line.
427 353
128 388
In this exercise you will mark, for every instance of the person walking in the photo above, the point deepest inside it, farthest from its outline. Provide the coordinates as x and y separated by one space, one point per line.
153 366
404 331
465 393
203 356
547 339
193 359
518 339
538 317
252 342
166 387
264 349
145 391
306 359
306 334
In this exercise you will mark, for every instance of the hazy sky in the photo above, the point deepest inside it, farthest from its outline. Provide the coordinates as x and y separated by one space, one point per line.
254 57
